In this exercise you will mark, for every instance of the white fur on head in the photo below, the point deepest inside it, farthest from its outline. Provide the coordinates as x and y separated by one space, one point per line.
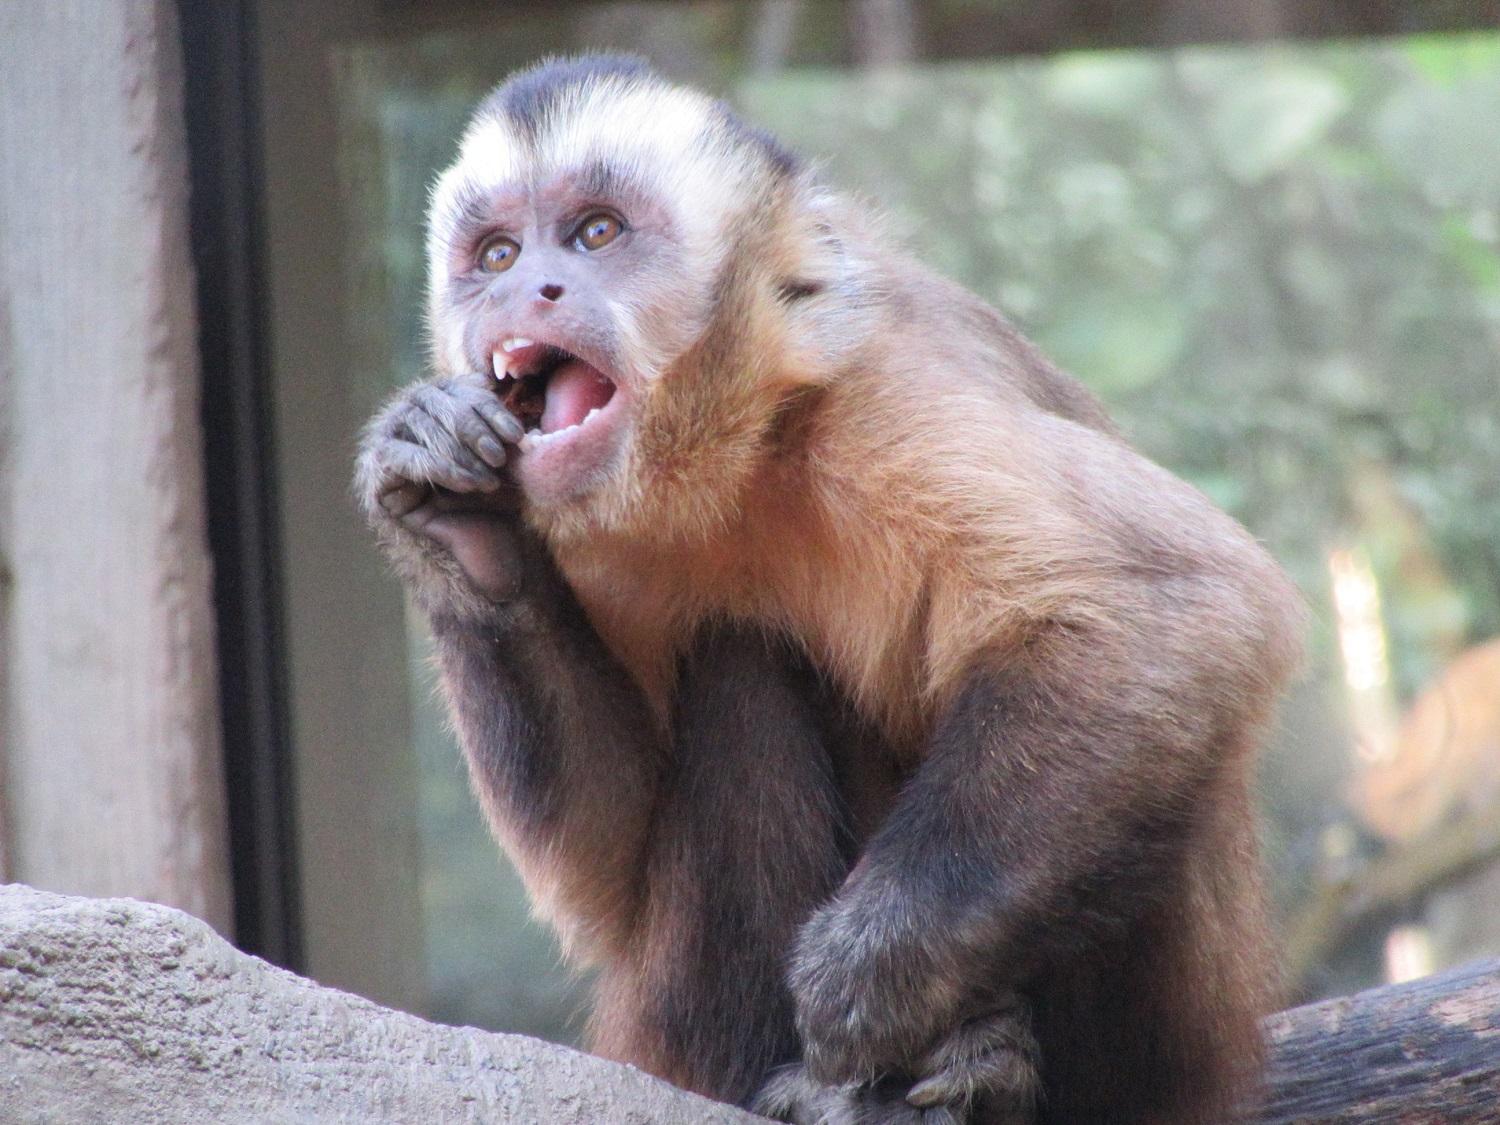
676 142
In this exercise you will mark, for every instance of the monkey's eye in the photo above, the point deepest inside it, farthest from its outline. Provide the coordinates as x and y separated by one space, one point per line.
498 254
597 231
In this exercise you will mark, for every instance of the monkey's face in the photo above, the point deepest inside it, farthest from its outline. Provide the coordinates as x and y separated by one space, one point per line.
550 292
574 252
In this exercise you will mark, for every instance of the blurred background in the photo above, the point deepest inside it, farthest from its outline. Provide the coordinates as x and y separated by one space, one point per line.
1268 238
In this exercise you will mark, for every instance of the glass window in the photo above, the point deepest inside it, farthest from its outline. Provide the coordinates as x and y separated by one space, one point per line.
1279 265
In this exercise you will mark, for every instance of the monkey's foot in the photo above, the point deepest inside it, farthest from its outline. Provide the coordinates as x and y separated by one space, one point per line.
793 1095
984 1073
988 1066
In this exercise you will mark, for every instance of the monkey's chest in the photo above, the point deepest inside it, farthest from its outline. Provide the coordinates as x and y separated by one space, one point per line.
862 637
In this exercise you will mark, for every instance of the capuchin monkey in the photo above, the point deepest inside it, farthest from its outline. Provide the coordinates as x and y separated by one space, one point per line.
846 690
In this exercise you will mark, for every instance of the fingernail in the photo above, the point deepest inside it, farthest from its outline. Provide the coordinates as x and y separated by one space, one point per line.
399 501
925 1095
508 424
492 451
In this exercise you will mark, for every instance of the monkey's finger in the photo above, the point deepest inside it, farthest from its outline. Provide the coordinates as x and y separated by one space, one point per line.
474 430
933 1092
436 429
791 1094
404 497
506 426
462 412
1005 1076
487 418
403 460
483 425
478 392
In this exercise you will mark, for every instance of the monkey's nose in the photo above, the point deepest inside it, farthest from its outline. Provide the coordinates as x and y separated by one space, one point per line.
551 292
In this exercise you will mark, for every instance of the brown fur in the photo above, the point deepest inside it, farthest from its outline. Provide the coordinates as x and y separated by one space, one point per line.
1047 658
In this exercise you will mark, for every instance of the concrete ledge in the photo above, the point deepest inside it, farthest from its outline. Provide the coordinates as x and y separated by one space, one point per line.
117 1010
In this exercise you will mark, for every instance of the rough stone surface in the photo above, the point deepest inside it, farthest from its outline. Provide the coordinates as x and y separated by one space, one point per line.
117 1010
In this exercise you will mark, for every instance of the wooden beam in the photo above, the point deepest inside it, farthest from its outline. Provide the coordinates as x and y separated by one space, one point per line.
112 771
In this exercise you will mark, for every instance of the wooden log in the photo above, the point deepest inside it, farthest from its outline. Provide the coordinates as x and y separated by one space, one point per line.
1422 1053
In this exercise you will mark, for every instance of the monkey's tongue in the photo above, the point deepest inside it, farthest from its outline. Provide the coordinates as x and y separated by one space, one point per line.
573 390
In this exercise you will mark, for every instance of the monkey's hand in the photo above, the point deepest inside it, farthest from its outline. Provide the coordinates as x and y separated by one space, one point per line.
985 1070
873 1010
430 482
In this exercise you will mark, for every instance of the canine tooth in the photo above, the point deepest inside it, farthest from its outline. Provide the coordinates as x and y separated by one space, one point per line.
498 364
515 342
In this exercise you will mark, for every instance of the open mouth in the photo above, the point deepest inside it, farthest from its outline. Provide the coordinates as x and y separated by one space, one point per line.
552 391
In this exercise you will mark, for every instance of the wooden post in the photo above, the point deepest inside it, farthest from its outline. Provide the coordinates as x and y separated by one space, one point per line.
111 730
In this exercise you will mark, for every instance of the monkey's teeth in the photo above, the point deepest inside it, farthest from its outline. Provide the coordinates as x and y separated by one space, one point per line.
535 438
501 362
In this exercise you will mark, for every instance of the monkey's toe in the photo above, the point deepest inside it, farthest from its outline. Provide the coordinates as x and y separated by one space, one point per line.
793 1095
885 1103
989 1063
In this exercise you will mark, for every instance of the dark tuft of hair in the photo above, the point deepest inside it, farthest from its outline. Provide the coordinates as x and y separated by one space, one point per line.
526 99
783 161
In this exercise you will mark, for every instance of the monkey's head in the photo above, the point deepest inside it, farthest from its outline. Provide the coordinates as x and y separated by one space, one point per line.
649 280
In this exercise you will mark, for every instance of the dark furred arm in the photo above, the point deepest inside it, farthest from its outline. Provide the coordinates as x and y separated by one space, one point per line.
1059 788
562 751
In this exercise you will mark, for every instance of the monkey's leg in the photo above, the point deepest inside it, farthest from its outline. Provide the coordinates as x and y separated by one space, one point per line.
561 747
1049 818
748 840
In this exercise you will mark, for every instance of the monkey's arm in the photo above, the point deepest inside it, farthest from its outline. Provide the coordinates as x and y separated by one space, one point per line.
1057 783
562 753
561 748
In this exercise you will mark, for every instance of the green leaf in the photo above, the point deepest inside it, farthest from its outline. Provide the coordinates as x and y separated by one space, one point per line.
1450 59
1121 344
1271 114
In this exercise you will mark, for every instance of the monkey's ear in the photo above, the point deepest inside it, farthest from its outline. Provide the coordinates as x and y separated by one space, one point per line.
820 283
